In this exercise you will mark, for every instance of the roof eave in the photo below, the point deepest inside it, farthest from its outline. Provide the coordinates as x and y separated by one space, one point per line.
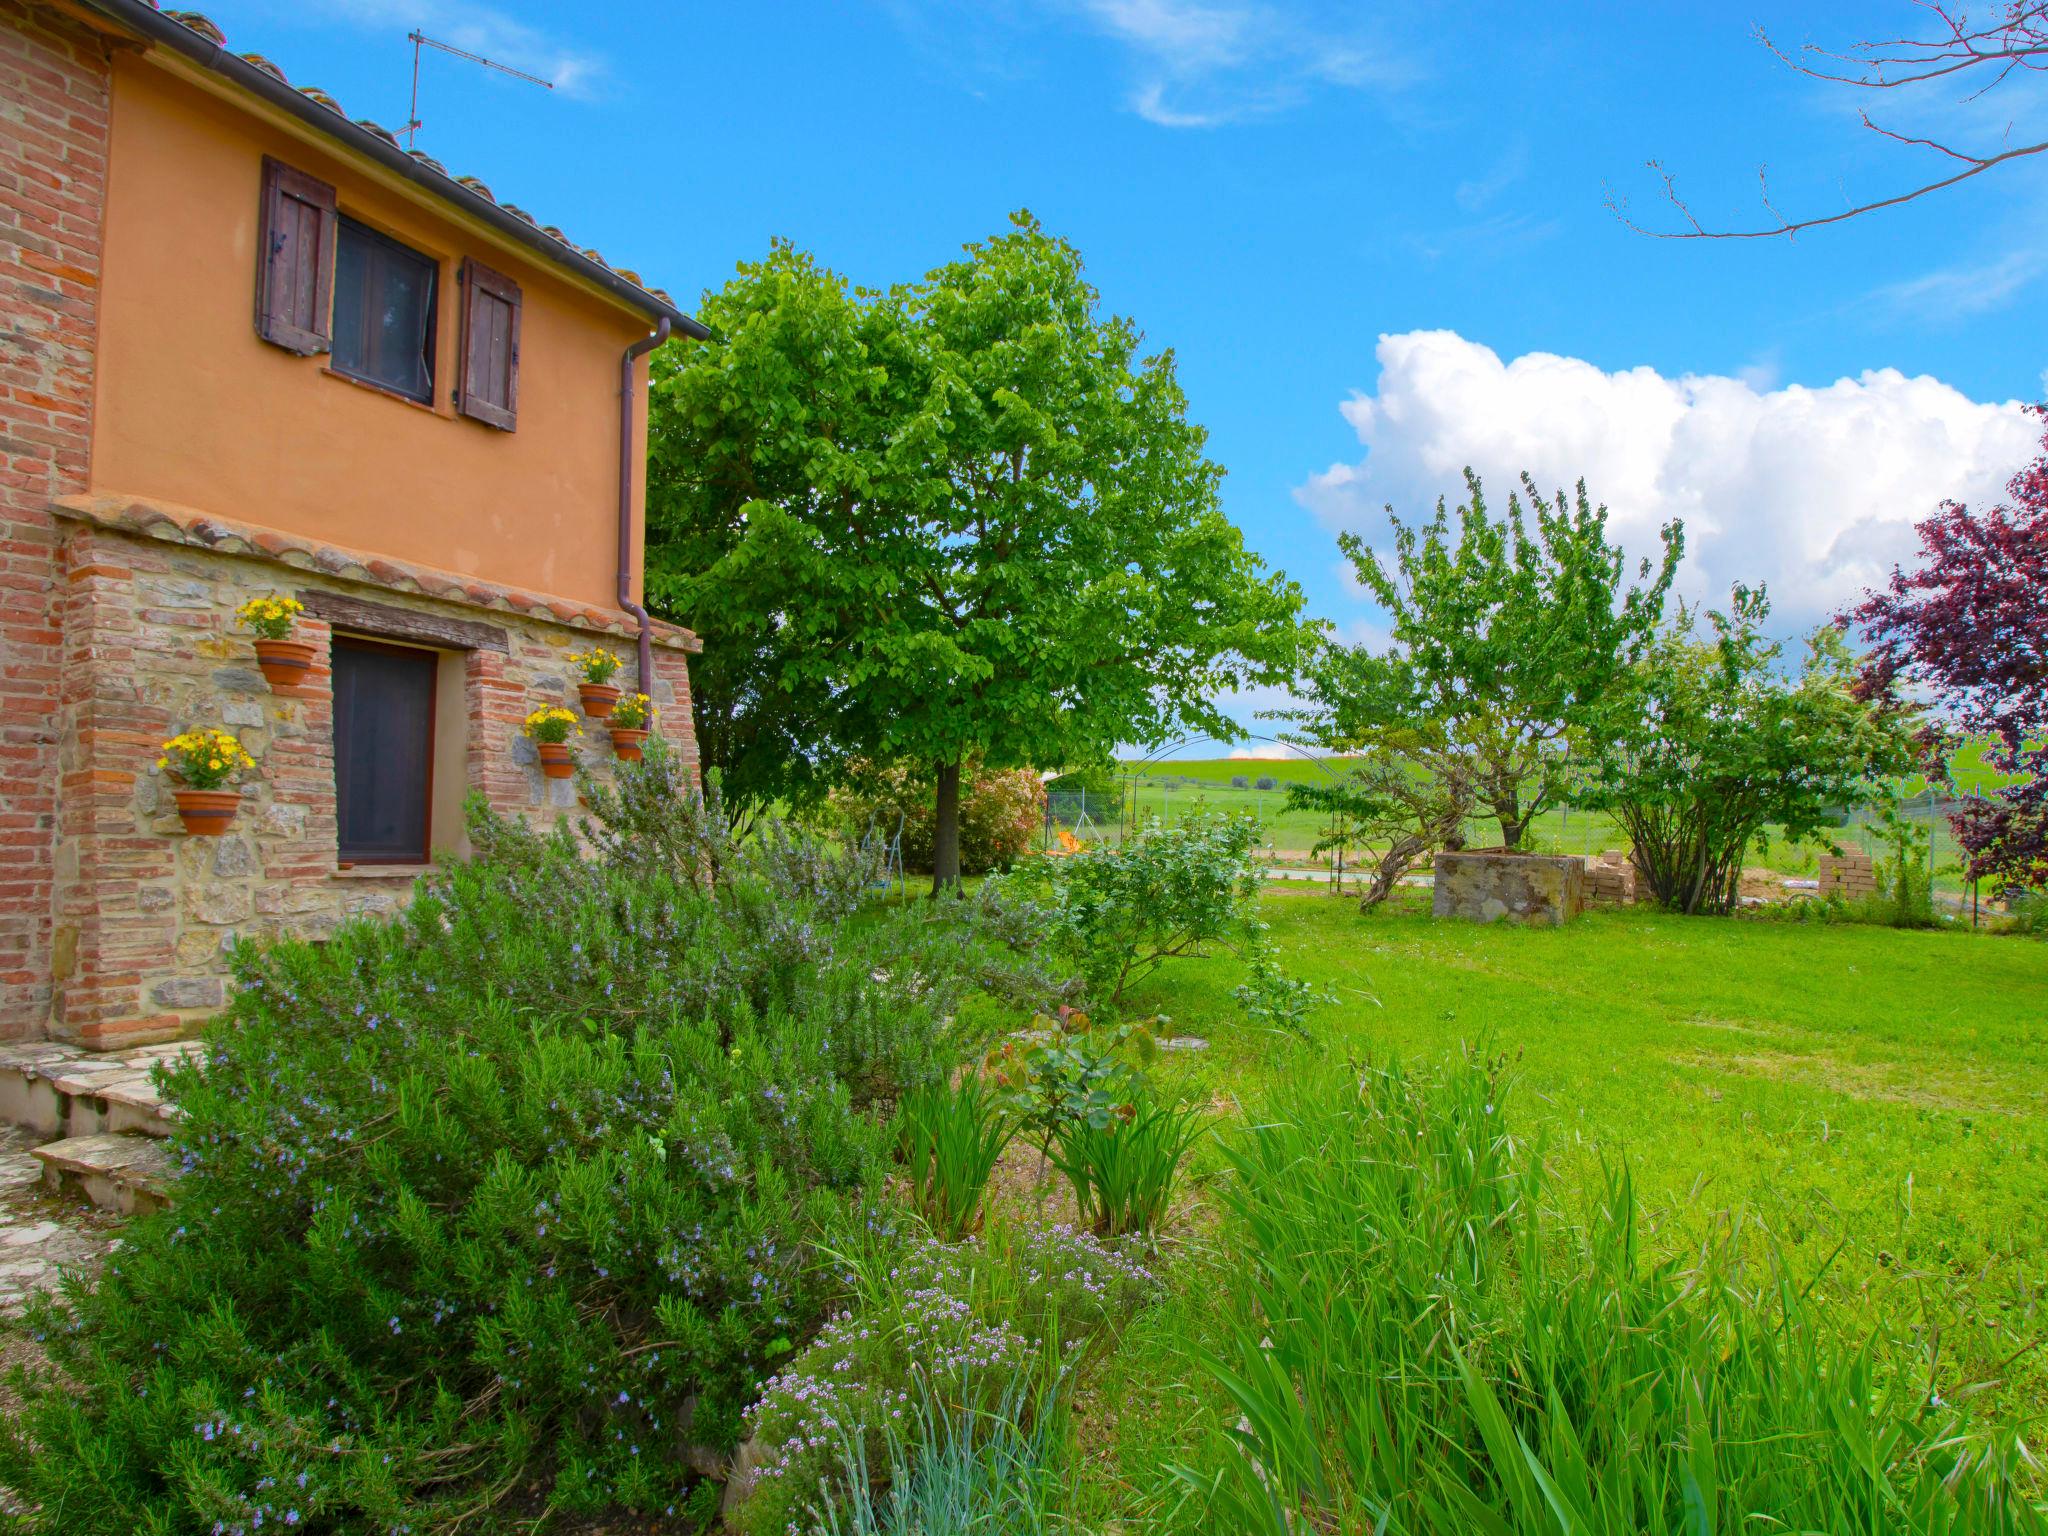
153 25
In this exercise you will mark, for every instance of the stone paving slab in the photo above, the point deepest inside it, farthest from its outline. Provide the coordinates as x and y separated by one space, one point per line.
42 1237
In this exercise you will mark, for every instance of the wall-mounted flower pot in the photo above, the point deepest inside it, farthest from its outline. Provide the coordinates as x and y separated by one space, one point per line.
557 760
626 744
598 698
285 662
206 812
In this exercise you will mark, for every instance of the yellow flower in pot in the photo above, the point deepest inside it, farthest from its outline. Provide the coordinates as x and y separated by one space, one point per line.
599 692
284 661
204 763
549 729
631 721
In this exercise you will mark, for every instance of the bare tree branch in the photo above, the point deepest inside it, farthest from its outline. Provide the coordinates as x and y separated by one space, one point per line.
2016 39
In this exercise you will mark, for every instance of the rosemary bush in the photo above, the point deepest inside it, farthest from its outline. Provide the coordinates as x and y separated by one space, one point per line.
505 1206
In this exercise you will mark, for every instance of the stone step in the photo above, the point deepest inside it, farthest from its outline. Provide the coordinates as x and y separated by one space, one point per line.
125 1173
54 1090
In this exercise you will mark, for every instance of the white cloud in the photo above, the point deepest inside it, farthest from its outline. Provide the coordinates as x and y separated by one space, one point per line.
1811 490
1972 288
1201 63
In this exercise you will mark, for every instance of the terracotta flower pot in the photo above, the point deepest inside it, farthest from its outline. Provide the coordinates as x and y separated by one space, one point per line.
626 744
598 698
557 761
285 662
206 812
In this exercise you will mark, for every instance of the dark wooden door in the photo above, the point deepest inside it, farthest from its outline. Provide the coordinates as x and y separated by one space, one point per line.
383 751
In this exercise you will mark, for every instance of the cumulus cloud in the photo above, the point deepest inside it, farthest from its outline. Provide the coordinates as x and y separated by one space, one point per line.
1811 490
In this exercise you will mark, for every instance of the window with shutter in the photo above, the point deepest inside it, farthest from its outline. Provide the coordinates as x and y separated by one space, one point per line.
489 389
385 312
295 260
383 751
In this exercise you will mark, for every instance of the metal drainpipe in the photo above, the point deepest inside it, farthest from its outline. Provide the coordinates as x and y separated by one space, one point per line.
634 353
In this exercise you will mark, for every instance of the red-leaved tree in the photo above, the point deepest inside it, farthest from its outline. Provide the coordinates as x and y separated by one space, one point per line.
1968 627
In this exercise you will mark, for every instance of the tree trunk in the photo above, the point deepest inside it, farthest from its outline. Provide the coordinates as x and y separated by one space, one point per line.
946 834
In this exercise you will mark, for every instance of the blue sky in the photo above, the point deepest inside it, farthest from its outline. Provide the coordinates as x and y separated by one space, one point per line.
1271 188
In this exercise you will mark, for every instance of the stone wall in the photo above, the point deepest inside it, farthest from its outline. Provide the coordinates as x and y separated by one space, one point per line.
1535 889
150 648
54 84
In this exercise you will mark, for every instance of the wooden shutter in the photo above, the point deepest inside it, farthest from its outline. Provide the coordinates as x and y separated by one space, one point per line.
295 260
489 387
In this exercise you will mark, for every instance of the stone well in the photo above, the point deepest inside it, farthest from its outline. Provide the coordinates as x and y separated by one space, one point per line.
1485 887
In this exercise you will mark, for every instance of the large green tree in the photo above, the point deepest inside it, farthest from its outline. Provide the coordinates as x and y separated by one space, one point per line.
960 517
1506 633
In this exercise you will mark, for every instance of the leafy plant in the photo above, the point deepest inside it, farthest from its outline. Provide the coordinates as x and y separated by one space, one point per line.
990 1472
1170 891
1002 812
1391 803
597 665
270 618
551 724
1072 1071
949 1138
1124 1172
1414 1342
204 759
1708 742
495 1209
633 712
979 1329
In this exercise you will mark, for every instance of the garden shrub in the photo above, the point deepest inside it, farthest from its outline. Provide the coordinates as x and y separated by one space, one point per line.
994 1323
1414 1341
1002 813
1171 891
501 1206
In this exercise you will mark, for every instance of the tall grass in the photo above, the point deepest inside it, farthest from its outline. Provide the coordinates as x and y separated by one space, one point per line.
950 1139
1415 1344
1124 1173
953 1472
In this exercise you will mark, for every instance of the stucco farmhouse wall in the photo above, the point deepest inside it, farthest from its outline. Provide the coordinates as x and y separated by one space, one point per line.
145 913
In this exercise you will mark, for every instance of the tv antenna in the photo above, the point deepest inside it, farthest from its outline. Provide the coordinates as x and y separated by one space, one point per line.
420 40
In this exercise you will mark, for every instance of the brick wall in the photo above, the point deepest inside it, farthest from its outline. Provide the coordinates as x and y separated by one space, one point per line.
54 86
150 649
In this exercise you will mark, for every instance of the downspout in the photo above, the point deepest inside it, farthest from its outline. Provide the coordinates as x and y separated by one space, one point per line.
634 353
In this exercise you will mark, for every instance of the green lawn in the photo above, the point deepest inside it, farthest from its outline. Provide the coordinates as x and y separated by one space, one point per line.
1878 1098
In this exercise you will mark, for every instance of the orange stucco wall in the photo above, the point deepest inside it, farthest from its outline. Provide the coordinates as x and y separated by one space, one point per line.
191 407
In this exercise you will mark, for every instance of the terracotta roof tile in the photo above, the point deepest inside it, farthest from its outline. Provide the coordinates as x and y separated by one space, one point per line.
174 524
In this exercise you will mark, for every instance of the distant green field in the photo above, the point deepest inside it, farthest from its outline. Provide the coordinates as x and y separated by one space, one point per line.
1175 788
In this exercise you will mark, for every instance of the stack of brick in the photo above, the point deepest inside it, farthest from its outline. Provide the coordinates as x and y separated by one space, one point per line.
1849 875
1610 878
54 93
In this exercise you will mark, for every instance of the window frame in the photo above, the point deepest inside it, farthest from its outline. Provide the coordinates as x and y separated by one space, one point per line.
431 661
345 226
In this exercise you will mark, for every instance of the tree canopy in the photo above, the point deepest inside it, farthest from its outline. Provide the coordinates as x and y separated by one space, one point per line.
1968 626
1707 741
958 517
1505 632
